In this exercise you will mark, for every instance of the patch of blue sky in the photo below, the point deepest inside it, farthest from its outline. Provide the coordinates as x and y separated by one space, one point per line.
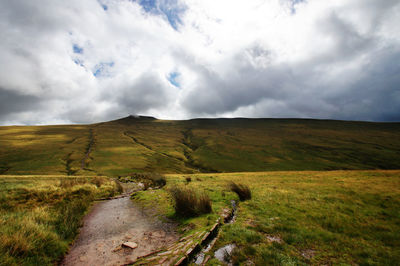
293 4
77 49
172 78
103 5
102 69
78 62
170 9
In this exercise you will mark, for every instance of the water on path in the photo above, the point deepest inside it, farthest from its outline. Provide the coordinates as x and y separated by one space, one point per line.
108 225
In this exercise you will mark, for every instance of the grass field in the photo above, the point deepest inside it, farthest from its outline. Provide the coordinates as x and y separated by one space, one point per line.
295 218
200 145
40 215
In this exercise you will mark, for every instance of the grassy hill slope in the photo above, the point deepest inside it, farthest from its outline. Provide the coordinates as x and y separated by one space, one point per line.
200 145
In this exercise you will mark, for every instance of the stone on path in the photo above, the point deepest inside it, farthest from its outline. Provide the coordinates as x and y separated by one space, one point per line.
130 245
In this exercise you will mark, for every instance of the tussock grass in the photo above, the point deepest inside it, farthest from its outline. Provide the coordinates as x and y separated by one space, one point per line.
243 191
118 186
204 204
189 203
299 218
40 215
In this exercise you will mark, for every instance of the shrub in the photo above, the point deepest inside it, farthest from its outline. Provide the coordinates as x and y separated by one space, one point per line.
188 203
241 190
158 179
70 182
148 179
98 181
118 186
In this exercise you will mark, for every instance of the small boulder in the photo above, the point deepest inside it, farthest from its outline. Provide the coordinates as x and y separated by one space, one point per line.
131 245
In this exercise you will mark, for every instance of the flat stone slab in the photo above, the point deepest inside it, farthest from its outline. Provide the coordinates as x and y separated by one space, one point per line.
131 245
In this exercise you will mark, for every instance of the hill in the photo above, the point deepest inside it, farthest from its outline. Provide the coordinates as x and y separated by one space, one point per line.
143 144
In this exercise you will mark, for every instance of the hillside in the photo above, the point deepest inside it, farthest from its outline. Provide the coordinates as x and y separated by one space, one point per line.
137 144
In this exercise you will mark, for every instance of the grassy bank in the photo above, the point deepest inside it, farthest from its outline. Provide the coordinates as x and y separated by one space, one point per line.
336 217
40 215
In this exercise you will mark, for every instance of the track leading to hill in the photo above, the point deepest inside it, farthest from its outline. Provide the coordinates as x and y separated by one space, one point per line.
111 223
90 147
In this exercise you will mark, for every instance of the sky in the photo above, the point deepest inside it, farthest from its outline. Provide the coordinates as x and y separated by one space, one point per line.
88 61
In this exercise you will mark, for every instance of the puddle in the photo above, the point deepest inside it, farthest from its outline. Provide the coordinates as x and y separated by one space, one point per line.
199 258
232 218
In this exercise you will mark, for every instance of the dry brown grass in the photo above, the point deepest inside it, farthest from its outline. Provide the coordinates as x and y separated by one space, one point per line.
189 203
243 191
40 215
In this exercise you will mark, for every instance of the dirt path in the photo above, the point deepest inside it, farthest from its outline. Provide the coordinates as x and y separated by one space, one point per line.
108 225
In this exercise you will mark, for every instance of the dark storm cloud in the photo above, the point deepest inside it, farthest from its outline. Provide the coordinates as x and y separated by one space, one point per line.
368 91
12 102
147 92
376 95
87 61
371 92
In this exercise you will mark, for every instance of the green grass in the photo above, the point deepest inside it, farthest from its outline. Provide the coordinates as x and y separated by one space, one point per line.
201 145
40 215
331 217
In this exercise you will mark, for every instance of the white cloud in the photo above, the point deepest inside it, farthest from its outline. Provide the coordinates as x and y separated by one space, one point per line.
234 58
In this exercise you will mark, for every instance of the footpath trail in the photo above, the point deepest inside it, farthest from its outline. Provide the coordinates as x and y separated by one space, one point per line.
111 223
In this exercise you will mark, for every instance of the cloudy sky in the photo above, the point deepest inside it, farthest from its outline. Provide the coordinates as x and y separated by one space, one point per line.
95 60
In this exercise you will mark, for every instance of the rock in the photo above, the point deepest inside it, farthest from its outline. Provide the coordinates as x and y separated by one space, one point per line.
179 262
185 238
130 245
173 259
162 260
205 236
206 260
117 249
164 253
308 253
187 245
152 258
214 226
272 238
176 252
189 251
221 254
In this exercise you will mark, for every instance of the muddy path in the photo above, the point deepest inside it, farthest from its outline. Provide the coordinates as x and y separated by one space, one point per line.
111 223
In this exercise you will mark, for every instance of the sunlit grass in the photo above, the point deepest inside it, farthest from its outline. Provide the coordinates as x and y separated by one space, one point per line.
348 217
40 215
213 145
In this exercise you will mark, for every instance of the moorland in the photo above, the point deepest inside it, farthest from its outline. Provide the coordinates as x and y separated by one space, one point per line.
146 144
323 192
